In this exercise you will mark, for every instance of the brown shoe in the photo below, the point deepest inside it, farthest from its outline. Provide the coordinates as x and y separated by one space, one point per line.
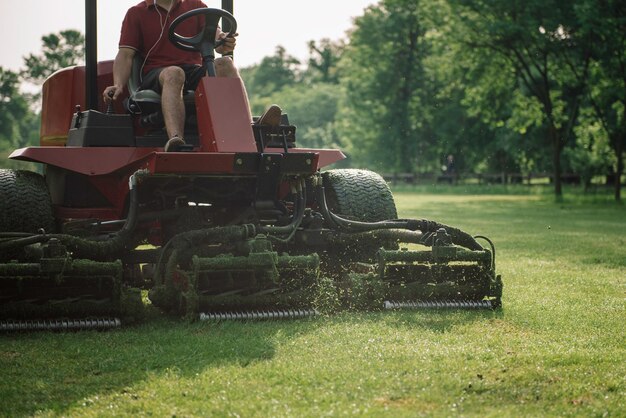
271 116
174 144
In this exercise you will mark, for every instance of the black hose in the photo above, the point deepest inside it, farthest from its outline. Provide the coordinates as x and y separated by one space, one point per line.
425 226
187 240
88 248
398 235
220 234
358 225
23 242
300 207
117 242
15 234
493 249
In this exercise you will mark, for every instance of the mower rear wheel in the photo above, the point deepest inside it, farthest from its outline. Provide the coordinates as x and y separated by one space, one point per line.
24 202
359 195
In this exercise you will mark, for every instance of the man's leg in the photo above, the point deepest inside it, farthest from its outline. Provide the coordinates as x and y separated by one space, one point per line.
172 80
225 67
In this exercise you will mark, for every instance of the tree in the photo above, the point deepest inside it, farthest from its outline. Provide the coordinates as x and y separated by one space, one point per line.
310 98
58 51
591 154
313 109
18 126
13 107
385 112
323 59
540 41
473 101
271 75
605 22
19 122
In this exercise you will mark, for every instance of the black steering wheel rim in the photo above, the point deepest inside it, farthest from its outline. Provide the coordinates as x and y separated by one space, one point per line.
204 41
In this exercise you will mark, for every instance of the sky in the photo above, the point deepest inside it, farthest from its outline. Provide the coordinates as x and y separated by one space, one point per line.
262 25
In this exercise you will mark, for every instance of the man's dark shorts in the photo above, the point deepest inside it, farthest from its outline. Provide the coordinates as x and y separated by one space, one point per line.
193 75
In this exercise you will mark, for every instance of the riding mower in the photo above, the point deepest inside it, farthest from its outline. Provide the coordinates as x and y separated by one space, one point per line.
240 223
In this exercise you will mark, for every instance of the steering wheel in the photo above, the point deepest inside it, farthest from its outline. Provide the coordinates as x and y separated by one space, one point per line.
204 41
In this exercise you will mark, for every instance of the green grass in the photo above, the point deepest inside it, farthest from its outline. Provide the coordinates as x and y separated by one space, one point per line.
557 348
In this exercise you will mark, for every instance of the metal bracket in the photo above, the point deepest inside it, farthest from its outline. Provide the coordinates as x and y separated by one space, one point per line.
269 178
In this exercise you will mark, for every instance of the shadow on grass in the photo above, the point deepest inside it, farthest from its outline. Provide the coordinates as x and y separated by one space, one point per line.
54 371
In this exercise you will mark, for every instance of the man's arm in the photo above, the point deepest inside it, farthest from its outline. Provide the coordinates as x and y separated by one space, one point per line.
122 67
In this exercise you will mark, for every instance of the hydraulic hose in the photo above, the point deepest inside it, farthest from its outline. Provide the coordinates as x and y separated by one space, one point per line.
88 248
300 206
118 241
23 242
425 226
187 240
400 235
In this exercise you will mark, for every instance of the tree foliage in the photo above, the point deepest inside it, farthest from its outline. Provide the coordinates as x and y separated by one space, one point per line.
503 86
19 118
313 107
387 118
323 61
18 125
59 50
13 107
272 74
605 23
546 52
309 96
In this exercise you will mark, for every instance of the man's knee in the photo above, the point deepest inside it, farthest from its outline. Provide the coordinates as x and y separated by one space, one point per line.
225 67
172 76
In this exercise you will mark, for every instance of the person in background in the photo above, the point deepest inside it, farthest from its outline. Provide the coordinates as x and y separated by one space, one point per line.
450 169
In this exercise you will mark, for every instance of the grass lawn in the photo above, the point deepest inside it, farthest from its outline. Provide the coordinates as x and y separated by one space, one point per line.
557 348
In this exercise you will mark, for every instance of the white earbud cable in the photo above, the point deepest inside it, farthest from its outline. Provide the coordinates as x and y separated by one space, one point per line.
163 24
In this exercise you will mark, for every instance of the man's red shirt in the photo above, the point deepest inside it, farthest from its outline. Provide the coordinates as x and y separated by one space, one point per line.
145 29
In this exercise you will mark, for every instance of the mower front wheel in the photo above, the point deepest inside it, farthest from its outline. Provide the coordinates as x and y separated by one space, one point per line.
24 202
359 195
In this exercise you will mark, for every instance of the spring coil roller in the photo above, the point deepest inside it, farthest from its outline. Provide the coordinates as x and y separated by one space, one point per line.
450 304
258 315
60 325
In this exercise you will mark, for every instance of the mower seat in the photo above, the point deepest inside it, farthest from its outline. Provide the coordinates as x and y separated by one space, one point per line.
147 103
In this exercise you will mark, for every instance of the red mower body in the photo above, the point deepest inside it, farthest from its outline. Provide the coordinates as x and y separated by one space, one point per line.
226 145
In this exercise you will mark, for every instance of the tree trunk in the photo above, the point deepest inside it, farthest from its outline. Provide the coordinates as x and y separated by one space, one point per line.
556 162
619 152
407 90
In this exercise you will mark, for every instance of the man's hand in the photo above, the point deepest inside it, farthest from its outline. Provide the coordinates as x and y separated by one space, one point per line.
229 42
111 93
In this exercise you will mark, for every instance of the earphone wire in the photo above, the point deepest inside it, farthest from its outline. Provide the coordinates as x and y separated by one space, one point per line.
163 24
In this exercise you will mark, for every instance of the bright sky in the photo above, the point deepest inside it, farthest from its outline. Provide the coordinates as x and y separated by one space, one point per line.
262 25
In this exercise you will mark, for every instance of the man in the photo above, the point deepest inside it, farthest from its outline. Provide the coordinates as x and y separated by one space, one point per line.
167 69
